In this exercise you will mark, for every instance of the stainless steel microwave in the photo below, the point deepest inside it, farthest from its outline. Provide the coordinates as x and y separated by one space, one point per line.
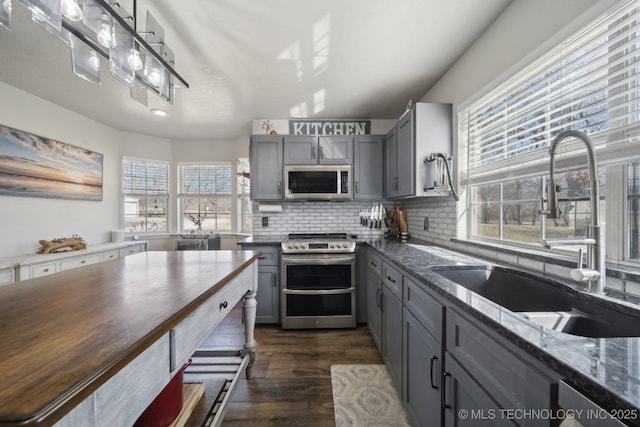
317 182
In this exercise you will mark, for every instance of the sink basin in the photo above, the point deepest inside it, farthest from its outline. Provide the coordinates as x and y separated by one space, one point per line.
545 302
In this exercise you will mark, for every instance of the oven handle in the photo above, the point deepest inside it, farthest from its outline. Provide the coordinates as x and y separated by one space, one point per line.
324 260
318 292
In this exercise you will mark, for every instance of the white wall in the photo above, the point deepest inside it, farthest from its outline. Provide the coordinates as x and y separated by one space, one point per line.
25 220
522 33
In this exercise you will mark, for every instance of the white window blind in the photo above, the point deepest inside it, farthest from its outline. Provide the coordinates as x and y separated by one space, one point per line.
591 83
141 177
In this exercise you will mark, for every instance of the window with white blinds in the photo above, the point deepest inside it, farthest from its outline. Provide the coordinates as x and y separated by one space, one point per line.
205 196
145 193
591 83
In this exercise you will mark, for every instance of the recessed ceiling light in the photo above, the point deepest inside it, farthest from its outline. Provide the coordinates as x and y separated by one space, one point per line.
160 113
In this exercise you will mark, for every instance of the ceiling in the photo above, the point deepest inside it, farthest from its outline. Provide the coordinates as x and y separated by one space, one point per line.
255 59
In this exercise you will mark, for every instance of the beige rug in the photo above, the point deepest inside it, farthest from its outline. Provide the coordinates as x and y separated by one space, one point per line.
363 396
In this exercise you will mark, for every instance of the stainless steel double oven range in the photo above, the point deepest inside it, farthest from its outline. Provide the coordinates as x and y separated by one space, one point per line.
318 281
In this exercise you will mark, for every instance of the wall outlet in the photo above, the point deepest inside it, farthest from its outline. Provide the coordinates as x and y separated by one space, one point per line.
425 226
265 221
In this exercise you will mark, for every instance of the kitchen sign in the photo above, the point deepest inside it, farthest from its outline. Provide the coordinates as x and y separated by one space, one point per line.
329 127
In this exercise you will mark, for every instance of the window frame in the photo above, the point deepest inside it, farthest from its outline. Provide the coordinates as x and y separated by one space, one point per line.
181 196
611 157
145 194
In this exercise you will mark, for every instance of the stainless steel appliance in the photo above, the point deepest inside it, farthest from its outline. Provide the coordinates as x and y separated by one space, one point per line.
317 182
318 281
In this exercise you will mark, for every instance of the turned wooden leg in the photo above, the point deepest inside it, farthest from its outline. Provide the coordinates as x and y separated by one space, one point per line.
250 346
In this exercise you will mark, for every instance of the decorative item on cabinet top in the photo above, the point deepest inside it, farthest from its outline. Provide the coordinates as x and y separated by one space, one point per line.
73 243
35 166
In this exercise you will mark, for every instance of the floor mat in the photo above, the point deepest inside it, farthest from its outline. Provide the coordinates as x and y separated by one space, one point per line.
364 396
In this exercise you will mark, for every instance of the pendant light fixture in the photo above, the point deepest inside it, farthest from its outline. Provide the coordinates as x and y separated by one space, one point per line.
96 29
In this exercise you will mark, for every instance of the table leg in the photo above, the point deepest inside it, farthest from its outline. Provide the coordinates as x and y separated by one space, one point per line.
250 346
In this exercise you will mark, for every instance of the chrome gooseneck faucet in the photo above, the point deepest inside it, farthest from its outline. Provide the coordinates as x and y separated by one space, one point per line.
594 274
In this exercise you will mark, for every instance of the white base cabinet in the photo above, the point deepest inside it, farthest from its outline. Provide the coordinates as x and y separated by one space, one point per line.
26 267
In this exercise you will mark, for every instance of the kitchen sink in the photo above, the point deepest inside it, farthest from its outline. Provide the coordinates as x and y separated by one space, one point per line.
545 302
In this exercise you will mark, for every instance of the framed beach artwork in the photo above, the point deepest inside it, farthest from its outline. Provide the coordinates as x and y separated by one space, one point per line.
34 166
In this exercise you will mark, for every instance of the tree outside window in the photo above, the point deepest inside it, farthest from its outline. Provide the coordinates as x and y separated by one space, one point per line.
205 197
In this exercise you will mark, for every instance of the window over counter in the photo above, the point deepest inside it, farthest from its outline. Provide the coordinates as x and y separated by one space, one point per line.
145 195
204 196
589 83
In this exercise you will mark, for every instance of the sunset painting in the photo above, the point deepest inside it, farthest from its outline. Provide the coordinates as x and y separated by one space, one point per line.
34 166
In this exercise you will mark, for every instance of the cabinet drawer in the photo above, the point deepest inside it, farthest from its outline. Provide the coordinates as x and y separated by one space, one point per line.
374 262
513 382
80 262
40 270
424 307
7 276
108 256
392 277
130 250
269 255
188 334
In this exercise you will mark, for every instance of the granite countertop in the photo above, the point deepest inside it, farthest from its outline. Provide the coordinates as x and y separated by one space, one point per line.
607 369
262 240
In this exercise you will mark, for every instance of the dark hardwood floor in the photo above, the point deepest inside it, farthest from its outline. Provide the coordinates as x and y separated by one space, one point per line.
292 385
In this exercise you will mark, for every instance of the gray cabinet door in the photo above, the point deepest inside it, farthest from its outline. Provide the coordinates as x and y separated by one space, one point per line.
268 295
390 163
465 402
368 167
392 336
374 313
300 150
335 150
405 157
266 167
421 373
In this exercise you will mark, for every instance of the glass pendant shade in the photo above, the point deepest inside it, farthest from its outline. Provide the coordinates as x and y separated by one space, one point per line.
106 34
119 56
47 11
135 60
71 10
85 61
5 14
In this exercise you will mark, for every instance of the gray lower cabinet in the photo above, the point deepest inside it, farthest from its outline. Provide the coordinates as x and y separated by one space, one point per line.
421 373
465 403
511 380
266 167
374 295
392 323
368 167
268 295
422 349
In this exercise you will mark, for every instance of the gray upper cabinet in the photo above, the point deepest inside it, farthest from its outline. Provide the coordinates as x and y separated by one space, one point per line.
367 167
266 167
424 130
324 150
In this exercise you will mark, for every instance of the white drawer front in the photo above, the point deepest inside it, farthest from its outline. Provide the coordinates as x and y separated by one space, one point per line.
40 270
130 250
80 262
7 276
108 256
121 400
187 336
